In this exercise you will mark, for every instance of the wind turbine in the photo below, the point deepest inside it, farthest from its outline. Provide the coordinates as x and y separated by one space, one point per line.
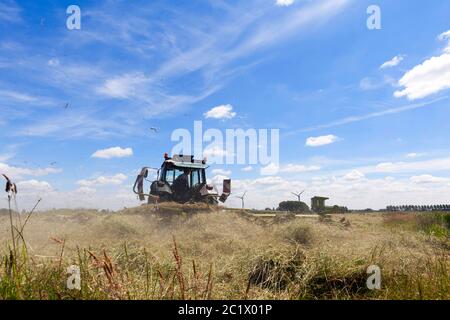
298 195
242 199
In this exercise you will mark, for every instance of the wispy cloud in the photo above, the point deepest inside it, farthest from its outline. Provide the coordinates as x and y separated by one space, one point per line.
73 124
395 61
9 11
278 30
210 54
12 96
358 118
124 86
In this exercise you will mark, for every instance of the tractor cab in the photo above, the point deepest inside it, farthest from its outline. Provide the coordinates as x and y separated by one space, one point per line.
171 171
182 179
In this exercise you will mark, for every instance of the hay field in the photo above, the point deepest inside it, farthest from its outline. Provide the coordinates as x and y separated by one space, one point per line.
203 252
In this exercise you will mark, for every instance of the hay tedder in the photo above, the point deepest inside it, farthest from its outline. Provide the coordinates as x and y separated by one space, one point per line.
181 179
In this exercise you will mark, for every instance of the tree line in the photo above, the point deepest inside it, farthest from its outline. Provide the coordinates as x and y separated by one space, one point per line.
403 208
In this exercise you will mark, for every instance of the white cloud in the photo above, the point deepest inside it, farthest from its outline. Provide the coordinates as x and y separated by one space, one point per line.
395 61
443 36
269 170
428 179
221 172
269 192
273 169
221 112
86 190
124 86
355 175
321 141
268 181
428 78
214 152
247 169
297 168
353 190
17 172
284 3
103 180
34 186
83 197
115 152
217 180
438 164
413 155
53 62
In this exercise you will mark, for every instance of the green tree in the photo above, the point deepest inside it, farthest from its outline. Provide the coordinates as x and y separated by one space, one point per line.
293 206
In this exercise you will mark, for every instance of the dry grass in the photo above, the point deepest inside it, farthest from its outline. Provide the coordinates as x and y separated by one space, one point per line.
145 253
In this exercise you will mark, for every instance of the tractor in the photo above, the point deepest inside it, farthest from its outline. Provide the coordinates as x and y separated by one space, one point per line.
181 179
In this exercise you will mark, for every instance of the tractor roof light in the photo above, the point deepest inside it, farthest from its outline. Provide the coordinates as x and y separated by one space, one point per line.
166 156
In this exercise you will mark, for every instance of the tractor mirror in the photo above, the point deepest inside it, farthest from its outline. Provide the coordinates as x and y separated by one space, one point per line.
227 186
226 190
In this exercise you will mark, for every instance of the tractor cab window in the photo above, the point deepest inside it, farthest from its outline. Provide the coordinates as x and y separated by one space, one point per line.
171 174
195 177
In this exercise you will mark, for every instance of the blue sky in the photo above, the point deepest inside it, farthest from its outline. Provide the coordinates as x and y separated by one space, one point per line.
363 114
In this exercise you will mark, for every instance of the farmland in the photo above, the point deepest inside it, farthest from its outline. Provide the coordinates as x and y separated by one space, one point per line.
201 252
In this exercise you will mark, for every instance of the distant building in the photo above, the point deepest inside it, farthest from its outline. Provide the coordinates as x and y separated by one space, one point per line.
318 204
